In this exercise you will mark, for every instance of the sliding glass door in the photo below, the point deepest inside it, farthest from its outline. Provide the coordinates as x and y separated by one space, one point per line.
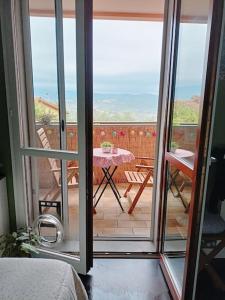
188 116
51 126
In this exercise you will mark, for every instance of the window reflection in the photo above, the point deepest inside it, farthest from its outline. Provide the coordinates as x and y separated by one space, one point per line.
189 75
185 117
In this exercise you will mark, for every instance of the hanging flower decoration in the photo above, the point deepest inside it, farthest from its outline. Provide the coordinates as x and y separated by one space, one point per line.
71 134
141 133
114 133
148 134
132 132
102 133
122 133
154 133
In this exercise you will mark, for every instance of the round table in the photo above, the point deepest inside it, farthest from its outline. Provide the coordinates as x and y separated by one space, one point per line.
187 156
109 162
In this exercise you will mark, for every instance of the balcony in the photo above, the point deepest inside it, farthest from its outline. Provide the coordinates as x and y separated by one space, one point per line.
109 220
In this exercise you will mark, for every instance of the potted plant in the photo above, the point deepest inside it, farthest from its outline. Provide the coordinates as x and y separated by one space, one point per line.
18 244
106 147
174 146
46 119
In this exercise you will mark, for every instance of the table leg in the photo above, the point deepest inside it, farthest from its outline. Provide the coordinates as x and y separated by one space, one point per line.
111 182
108 176
173 177
173 182
113 186
100 184
105 184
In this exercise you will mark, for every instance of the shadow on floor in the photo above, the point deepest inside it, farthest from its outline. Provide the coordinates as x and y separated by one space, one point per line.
125 279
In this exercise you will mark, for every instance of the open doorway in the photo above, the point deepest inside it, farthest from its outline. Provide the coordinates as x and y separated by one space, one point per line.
127 50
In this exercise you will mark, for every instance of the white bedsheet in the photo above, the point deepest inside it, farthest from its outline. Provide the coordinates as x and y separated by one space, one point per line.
39 279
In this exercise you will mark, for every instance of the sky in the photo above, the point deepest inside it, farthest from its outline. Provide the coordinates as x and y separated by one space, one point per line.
126 55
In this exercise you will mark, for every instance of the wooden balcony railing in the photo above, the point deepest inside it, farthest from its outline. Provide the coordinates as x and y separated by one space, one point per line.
139 138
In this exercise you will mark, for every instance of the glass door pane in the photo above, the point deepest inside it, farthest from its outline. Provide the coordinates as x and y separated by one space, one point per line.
49 199
44 110
47 177
70 69
184 120
189 75
57 171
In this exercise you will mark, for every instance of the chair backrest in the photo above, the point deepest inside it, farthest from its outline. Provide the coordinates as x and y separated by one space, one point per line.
52 162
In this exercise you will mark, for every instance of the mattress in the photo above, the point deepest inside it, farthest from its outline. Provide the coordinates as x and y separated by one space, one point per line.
39 279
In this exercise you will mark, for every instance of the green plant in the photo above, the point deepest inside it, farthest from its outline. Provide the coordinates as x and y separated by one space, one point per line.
46 119
106 145
44 114
174 145
185 114
18 244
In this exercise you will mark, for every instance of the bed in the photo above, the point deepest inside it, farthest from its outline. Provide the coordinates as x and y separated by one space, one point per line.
39 279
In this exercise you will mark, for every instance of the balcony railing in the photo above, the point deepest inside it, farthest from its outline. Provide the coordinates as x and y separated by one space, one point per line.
139 138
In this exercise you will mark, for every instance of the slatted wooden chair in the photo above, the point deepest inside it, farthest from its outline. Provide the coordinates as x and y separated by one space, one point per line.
142 176
72 175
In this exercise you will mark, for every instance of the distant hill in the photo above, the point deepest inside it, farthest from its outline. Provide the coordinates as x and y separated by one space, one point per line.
120 108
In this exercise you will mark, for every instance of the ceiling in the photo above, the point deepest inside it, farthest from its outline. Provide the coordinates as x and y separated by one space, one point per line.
124 9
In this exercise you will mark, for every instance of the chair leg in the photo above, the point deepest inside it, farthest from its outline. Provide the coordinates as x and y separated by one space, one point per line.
136 198
128 189
182 187
56 194
48 193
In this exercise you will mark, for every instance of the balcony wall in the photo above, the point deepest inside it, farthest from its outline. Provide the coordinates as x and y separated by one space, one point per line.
139 138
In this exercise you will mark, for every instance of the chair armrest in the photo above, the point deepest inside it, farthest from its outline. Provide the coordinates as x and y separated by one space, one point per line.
144 157
145 167
56 170
73 168
68 168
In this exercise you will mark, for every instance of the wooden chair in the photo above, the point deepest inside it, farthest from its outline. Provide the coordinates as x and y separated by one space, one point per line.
72 171
142 176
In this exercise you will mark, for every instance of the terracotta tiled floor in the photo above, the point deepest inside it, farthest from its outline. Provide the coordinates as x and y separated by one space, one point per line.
110 221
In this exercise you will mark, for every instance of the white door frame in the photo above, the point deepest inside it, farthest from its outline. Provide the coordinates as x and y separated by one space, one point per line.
16 93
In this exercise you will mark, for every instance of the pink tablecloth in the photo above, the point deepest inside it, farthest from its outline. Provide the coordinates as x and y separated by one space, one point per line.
182 153
105 160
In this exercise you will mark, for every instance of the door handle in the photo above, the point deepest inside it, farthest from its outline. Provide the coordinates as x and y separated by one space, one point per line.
62 125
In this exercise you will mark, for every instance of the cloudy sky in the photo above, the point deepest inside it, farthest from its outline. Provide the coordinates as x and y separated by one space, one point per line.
127 55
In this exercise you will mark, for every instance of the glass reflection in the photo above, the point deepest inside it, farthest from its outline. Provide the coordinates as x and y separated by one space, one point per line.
189 75
185 117
49 199
44 108
179 189
70 67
